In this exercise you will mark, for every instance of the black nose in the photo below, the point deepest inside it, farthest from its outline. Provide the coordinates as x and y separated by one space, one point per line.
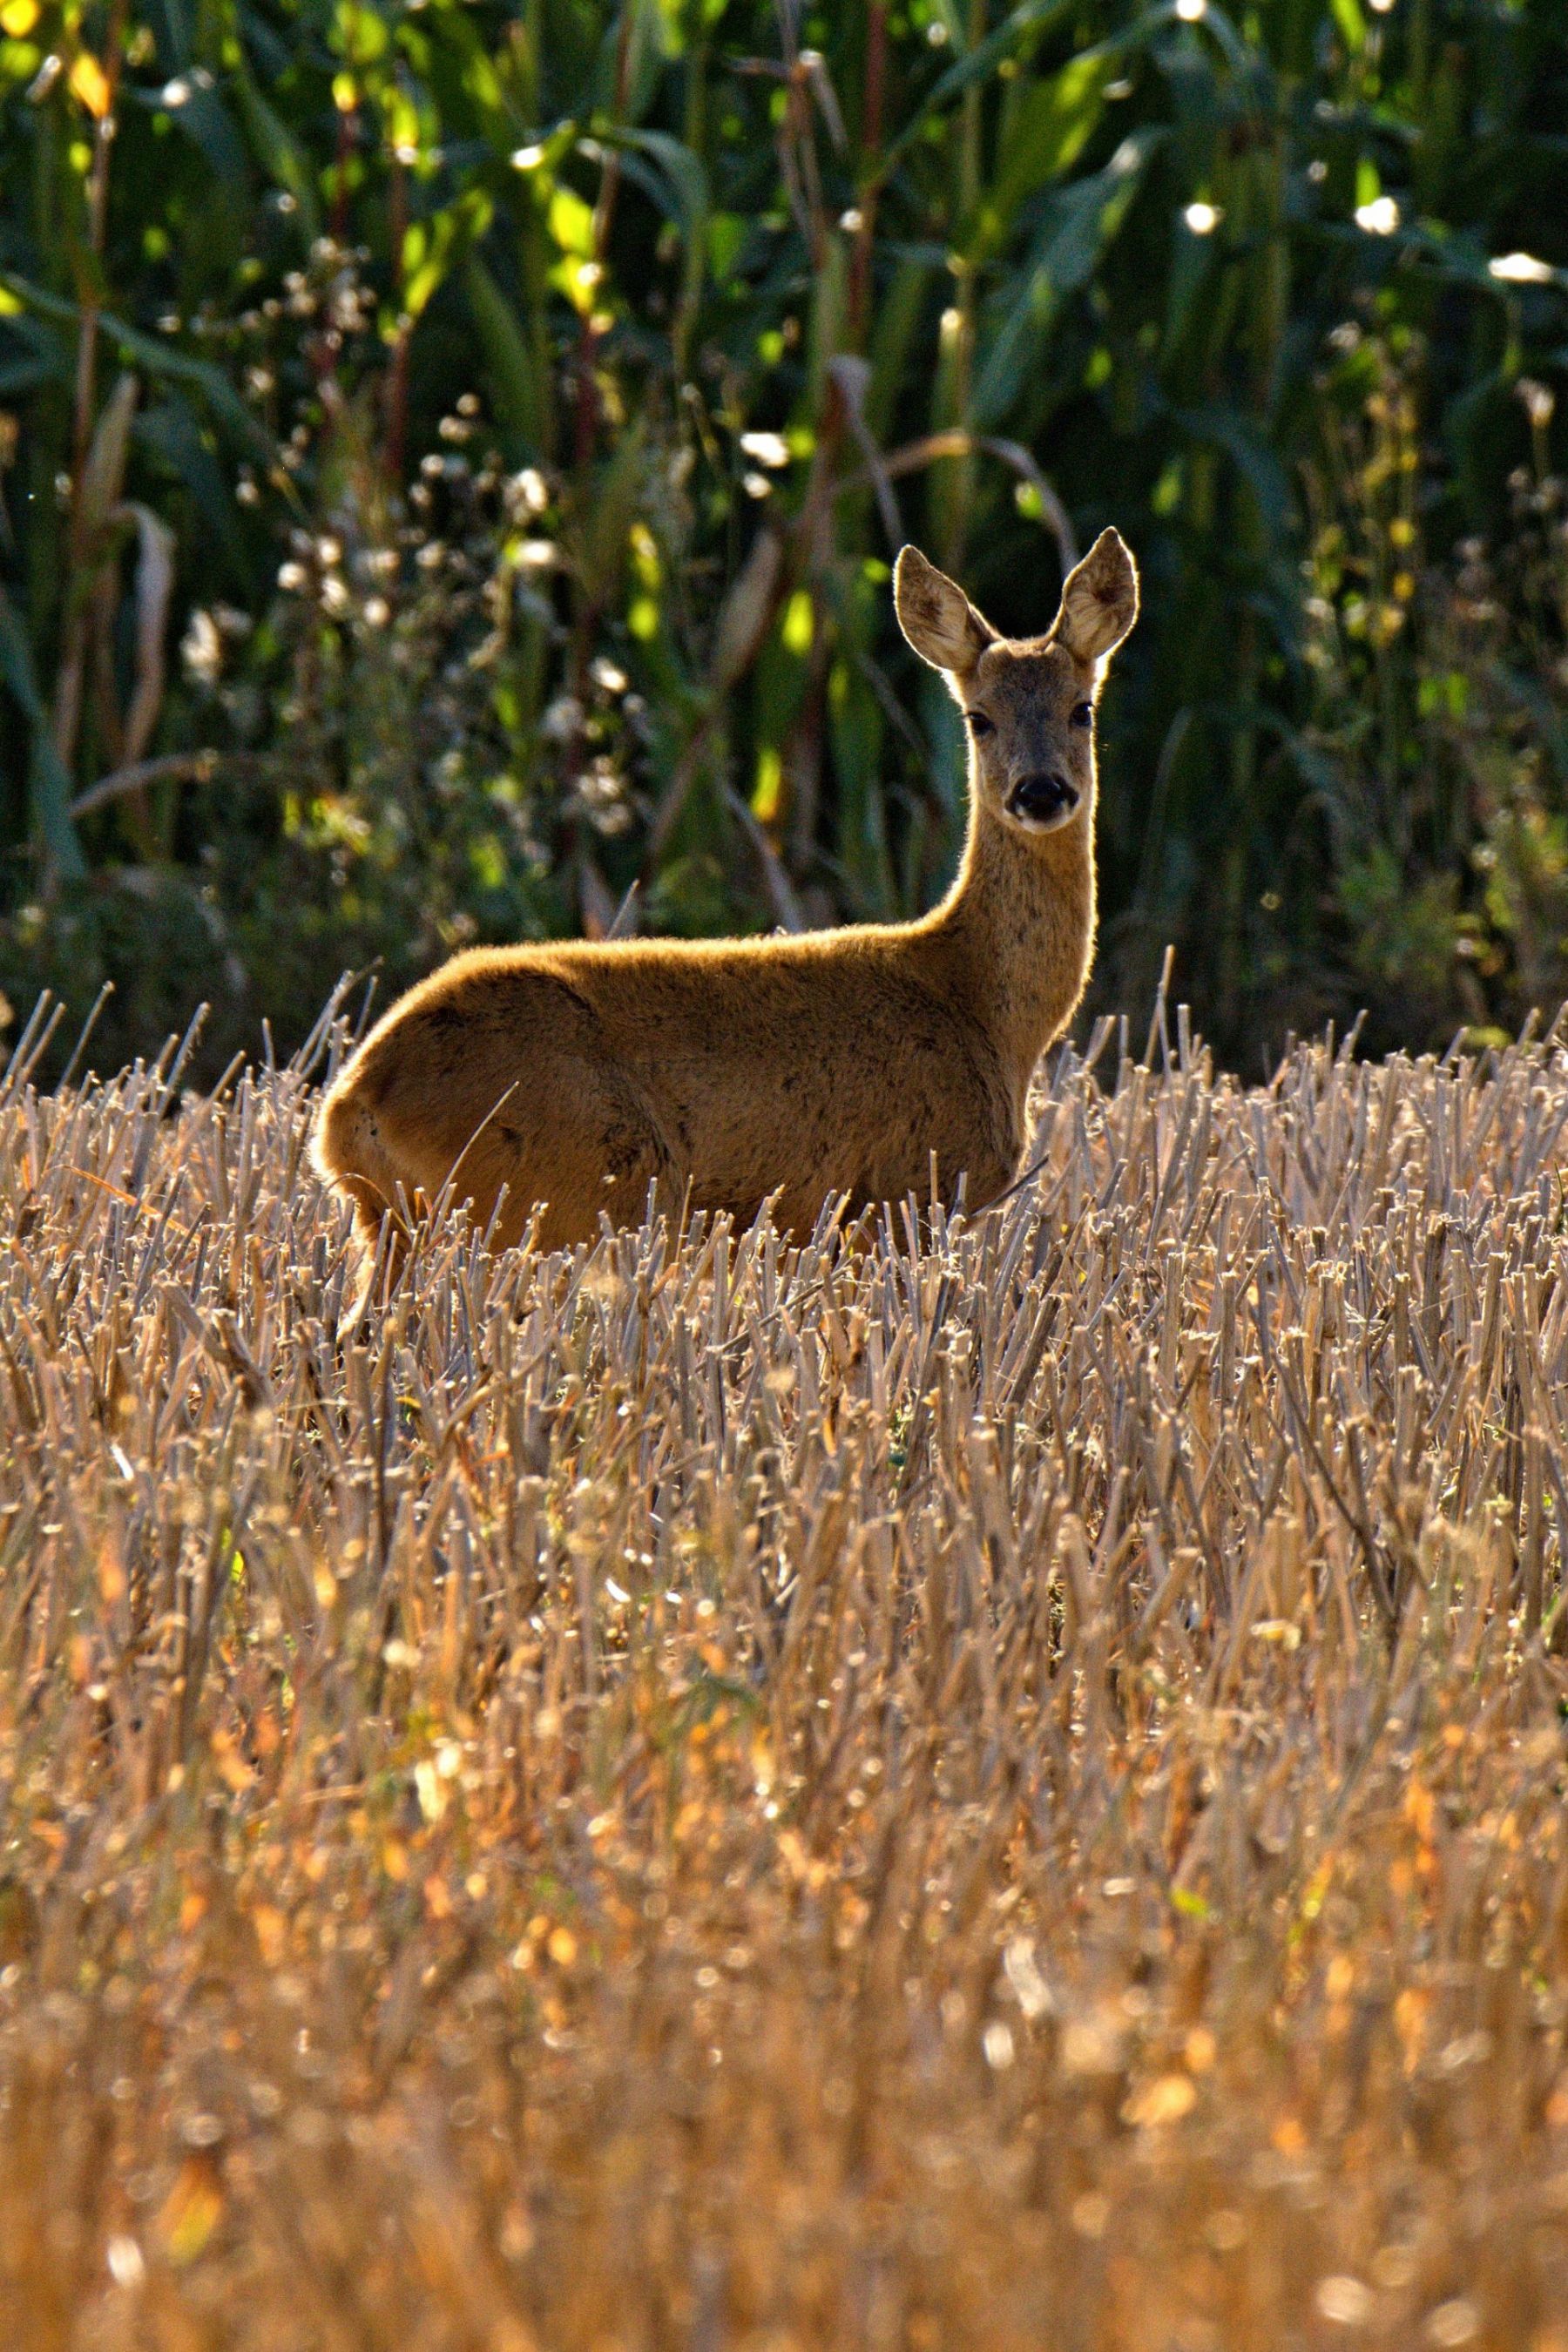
1038 799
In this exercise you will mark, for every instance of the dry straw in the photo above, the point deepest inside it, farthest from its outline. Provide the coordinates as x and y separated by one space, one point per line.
988 1785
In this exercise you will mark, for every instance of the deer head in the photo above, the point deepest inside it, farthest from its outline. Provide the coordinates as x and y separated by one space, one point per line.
1029 702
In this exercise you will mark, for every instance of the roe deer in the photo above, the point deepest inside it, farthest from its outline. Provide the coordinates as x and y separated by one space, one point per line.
570 1077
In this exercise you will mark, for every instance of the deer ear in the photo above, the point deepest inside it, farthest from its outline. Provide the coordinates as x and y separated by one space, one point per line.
936 615
1099 600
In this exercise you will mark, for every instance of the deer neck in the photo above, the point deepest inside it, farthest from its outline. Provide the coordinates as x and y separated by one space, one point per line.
1019 921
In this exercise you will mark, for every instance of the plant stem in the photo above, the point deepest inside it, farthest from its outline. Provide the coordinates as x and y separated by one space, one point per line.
603 216
73 668
397 379
97 230
870 149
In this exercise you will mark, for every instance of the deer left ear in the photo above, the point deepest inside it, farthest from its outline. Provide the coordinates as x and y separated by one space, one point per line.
1099 600
936 616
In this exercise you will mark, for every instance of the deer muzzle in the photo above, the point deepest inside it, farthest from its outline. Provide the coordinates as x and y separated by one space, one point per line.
1042 799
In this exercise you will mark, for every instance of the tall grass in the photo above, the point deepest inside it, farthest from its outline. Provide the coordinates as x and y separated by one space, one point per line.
988 1785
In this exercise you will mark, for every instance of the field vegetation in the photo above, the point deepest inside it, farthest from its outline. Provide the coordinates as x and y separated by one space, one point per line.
960 1785
450 455
979 1783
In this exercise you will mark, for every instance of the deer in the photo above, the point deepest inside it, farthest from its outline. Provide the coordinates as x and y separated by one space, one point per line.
550 1087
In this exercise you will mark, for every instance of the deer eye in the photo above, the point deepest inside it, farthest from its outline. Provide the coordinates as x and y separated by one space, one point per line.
979 725
1082 715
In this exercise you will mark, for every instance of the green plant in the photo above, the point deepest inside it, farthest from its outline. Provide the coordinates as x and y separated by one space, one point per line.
1439 734
754 292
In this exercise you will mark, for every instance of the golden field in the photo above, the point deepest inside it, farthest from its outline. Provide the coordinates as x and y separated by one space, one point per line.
991 1785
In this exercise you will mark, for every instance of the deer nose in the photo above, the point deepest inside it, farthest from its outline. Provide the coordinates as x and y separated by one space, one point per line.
1040 799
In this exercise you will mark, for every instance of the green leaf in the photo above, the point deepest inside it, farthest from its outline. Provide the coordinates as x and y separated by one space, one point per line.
48 786
1035 16
520 399
1249 453
207 123
1051 125
360 33
687 201
31 355
158 358
171 432
431 249
171 23
571 223
682 170
1082 222
857 727
278 152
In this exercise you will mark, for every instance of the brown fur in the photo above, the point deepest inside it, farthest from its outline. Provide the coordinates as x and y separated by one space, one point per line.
576 1076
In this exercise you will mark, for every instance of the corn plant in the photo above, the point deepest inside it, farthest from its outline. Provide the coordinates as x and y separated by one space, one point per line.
749 293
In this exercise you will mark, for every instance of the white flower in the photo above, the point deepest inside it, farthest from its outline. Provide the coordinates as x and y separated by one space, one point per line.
563 721
1521 269
1203 219
1539 401
767 448
201 649
1379 218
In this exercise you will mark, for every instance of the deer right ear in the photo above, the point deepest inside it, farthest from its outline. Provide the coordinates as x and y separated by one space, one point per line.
936 616
1099 600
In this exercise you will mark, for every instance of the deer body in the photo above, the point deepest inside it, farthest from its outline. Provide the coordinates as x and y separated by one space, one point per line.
572 1076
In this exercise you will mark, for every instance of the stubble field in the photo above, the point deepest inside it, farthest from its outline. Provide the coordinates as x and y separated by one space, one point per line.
993 1785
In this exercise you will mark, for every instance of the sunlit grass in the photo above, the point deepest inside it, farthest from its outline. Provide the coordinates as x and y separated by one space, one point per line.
996 1788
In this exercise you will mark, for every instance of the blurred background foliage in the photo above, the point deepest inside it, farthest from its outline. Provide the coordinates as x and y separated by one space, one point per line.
451 455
